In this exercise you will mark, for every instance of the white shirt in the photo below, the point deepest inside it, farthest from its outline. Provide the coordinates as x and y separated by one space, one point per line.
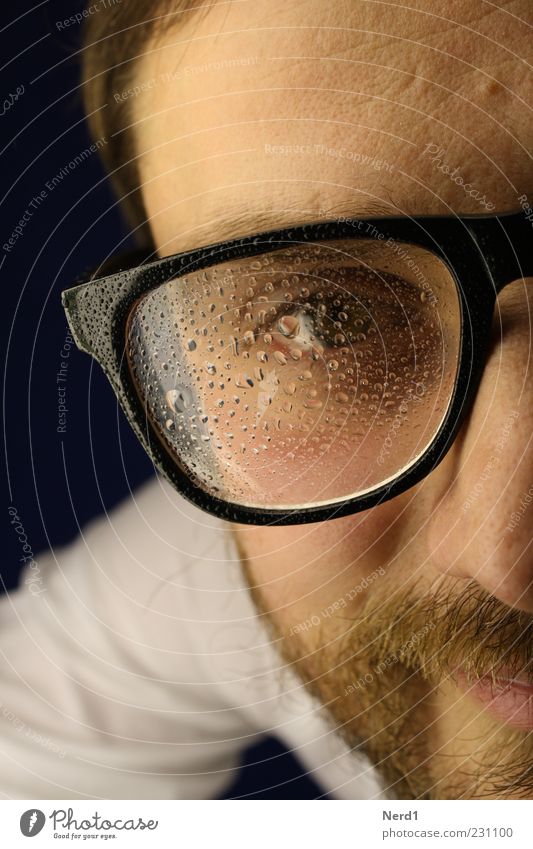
140 669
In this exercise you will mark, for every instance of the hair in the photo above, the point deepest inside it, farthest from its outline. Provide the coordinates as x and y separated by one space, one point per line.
113 40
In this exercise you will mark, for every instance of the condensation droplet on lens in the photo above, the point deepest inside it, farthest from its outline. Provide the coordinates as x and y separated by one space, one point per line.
289 326
178 399
240 381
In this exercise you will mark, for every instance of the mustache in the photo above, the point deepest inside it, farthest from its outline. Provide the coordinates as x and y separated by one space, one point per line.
467 628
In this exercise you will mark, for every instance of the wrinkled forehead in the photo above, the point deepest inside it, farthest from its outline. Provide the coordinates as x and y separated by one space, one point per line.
257 114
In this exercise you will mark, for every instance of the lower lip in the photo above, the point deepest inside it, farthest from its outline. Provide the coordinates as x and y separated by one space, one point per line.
507 700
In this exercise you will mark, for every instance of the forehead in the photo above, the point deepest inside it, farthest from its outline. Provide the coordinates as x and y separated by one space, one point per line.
289 112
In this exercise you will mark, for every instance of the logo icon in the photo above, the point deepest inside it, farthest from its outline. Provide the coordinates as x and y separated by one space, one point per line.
32 822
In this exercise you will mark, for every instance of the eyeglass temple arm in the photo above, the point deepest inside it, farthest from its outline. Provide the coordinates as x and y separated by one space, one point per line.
507 243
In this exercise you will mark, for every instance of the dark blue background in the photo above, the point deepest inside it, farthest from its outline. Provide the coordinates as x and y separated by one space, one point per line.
56 481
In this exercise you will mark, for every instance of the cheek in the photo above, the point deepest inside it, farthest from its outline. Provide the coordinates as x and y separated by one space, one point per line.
302 570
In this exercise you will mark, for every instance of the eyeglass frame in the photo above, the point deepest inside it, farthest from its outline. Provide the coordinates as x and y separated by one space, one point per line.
483 254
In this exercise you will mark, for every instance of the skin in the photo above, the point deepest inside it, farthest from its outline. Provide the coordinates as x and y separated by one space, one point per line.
385 82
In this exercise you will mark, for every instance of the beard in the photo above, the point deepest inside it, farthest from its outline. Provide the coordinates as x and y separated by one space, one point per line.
387 681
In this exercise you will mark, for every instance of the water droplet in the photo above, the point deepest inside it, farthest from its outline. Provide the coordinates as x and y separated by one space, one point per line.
342 398
191 345
306 375
333 365
280 358
249 337
262 356
289 326
423 296
169 424
179 399
289 388
211 368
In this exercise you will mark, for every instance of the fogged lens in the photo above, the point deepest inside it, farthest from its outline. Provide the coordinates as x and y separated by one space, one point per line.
301 377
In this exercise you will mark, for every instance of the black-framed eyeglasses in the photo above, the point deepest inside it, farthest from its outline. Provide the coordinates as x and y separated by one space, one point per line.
307 373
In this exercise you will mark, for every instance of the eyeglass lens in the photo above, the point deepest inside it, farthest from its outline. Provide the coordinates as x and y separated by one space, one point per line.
303 376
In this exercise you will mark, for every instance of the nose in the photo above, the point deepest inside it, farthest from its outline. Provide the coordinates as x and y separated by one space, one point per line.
481 522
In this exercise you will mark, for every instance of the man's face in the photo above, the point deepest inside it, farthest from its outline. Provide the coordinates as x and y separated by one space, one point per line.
410 621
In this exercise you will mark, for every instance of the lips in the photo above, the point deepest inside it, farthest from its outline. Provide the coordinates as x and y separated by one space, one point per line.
509 700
